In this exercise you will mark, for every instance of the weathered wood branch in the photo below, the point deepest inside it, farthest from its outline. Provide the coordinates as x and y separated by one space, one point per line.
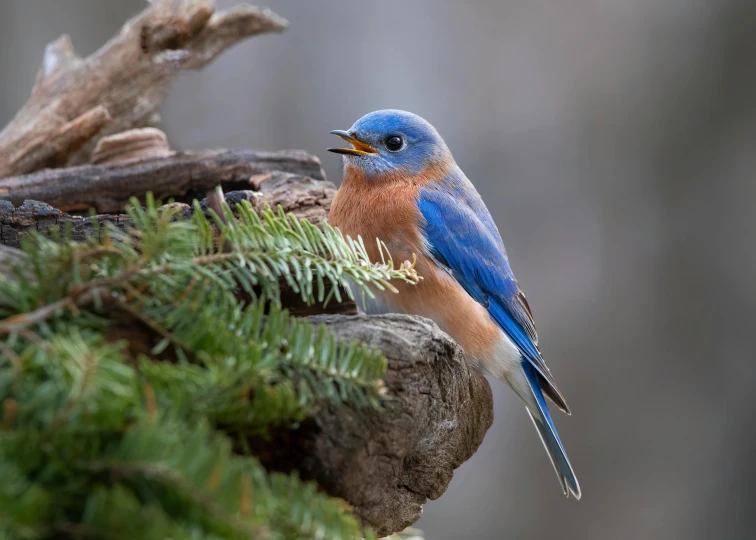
301 195
122 85
386 465
108 187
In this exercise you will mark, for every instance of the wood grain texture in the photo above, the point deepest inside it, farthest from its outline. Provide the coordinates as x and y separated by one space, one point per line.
122 85
388 464
108 187
302 195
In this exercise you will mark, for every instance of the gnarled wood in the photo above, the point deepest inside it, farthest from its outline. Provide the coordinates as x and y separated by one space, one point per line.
301 195
108 187
122 85
387 465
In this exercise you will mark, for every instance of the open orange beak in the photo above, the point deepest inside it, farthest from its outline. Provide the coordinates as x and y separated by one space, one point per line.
359 147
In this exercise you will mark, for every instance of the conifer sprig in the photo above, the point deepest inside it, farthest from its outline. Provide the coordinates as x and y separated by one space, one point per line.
96 442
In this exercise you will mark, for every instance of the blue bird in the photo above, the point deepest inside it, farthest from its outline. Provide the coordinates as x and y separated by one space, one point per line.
402 186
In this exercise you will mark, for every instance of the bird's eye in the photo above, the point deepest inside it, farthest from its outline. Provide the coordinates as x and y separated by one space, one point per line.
394 143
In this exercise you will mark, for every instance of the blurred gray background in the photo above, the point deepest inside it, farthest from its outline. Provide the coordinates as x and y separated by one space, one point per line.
615 145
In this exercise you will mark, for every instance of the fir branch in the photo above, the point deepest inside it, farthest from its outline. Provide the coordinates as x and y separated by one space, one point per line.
75 408
170 477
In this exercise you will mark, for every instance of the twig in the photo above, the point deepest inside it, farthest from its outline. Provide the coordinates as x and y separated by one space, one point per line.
215 200
21 321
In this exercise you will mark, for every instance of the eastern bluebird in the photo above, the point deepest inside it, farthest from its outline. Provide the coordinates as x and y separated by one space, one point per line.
402 186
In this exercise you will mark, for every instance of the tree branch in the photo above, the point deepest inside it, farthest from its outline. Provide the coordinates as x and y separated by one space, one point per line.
122 85
387 464
108 187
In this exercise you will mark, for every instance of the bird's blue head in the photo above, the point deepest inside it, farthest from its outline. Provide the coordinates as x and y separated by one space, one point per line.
392 141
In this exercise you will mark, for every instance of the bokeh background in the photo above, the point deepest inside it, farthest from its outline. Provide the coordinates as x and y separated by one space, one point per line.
615 145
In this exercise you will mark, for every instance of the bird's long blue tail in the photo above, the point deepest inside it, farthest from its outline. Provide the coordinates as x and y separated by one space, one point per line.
548 433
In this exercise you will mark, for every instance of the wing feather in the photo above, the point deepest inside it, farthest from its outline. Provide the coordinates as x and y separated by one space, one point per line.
462 238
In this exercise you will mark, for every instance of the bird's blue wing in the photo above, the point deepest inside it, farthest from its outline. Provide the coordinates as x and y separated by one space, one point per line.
463 239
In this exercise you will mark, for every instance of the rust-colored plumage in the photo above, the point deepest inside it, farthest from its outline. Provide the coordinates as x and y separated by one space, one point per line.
387 210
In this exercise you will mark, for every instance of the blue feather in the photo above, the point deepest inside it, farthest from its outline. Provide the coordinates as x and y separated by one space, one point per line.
549 437
463 238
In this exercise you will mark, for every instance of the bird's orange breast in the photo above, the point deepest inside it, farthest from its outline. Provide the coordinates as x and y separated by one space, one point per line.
387 210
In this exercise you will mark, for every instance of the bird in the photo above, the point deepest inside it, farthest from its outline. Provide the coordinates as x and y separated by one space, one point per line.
402 187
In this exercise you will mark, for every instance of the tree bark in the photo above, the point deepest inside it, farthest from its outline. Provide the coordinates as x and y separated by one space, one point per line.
108 188
387 464
292 179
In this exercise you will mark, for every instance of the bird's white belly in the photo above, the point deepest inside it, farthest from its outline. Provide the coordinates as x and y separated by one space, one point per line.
504 359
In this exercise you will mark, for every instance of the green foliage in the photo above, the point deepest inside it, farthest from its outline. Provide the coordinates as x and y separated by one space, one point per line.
100 440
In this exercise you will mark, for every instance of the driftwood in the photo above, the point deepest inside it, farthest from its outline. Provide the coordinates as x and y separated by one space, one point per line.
387 465
82 113
122 85
107 188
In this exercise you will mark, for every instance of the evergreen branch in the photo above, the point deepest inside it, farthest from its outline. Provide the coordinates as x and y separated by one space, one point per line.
75 408
170 477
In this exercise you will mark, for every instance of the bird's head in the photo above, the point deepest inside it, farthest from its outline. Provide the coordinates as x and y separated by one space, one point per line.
392 142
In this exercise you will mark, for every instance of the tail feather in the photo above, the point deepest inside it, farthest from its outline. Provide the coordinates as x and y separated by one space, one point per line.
541 418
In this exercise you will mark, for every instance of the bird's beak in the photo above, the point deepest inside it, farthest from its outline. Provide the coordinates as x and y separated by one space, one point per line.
360 148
